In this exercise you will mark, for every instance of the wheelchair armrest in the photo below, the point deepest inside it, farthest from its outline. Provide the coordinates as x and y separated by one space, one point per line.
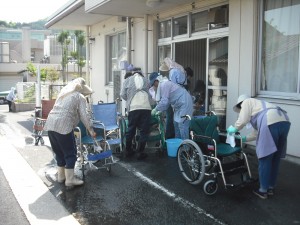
207 138
98 124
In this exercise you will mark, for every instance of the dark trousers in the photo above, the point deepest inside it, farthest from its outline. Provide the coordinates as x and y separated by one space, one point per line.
9 105
64 147
138 119
269 166
170 129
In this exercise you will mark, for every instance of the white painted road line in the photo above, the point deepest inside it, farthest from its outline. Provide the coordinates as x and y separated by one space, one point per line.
171 194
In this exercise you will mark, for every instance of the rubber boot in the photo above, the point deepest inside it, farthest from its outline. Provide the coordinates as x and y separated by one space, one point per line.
71 180
61 177
140 150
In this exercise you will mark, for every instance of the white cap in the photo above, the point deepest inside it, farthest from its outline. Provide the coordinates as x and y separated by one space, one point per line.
241 98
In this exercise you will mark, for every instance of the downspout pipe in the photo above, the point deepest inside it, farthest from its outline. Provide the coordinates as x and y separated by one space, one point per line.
128 39
87 55
146 45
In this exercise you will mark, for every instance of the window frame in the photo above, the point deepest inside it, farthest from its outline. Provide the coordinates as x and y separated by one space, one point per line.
109 80
266 93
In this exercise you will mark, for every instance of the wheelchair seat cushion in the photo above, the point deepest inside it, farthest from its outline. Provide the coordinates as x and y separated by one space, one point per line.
224 149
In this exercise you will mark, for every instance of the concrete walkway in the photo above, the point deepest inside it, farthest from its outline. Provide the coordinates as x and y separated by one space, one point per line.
35 199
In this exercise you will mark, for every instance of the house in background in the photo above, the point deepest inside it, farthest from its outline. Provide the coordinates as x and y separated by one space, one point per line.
235 46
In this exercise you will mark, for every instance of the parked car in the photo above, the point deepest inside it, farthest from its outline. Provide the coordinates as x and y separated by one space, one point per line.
3 95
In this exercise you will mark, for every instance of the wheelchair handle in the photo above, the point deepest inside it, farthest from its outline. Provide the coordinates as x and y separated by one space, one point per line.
186 117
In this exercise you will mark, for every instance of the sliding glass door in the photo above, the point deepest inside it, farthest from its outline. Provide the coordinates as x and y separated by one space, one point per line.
217 68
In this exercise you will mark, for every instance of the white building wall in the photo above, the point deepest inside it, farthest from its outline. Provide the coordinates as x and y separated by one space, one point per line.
243 42
98 53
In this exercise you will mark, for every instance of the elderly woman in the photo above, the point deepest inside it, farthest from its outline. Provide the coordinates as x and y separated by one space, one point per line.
271 127
181 101
70 107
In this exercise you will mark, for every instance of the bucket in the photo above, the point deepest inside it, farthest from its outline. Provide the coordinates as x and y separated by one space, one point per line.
172 146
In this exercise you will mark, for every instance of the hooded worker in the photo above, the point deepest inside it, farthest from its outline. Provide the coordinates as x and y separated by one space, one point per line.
181 101
271 127
135 92
70 107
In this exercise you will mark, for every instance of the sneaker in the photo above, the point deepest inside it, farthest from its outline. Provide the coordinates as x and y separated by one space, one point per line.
270 192
262 195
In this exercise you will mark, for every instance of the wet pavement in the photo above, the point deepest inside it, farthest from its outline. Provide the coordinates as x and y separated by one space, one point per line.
153 191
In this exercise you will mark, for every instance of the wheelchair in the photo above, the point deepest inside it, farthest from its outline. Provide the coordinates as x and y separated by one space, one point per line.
95 153
40 118
207 155
156 133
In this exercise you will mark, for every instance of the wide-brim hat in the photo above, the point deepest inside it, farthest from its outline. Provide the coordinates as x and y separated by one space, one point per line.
241 98
153 77
164 67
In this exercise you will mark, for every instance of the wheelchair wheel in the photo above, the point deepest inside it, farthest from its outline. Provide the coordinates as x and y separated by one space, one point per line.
191 162
108 168
210 187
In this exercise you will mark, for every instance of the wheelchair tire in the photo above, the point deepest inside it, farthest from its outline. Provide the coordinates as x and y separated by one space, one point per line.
191 162
210 187
108 168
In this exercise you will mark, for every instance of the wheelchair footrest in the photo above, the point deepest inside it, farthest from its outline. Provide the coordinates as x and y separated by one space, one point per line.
98 156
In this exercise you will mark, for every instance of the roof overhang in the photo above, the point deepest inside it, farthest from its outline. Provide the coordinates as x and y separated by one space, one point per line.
132 8
78 14
72 16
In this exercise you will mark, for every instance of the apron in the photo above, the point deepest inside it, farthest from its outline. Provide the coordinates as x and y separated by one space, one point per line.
182 104
264 143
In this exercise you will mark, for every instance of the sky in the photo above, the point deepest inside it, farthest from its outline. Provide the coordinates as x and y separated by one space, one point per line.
26 11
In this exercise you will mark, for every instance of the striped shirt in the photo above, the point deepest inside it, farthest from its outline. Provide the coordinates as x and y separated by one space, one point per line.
67 112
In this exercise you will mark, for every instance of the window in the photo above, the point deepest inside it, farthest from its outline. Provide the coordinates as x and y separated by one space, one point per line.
180 26
279 54
199 21
163 52
165 29
117 53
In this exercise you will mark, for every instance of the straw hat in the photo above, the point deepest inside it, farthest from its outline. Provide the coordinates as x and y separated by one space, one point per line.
86 90
241 98
164 67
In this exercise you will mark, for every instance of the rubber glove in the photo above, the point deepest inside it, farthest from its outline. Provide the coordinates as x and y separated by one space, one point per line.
231 129
154 112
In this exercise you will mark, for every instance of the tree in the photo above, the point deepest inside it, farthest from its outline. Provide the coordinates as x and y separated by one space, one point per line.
52 75
80 41
31 69
63 39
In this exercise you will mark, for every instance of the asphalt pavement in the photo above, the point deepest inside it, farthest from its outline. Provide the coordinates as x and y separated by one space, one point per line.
150 192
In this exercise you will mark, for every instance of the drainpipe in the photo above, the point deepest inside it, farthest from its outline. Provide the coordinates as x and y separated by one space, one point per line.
38 88
87 55
146 45
128 39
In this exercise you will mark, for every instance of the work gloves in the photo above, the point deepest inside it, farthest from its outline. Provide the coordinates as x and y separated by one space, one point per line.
155 112
231 130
